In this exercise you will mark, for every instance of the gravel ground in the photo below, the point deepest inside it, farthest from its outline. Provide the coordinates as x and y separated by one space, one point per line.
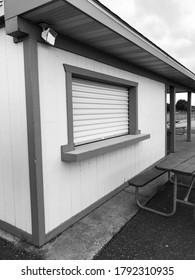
18 251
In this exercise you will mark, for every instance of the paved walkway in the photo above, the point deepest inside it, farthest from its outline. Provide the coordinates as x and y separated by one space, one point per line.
87 237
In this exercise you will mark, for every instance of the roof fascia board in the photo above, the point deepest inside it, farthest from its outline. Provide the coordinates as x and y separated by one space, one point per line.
79 48
20 28
16 7
92 9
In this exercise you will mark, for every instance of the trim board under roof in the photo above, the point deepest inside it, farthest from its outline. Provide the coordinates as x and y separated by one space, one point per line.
92 24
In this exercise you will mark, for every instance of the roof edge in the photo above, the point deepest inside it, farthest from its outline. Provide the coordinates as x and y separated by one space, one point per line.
132 29
102 14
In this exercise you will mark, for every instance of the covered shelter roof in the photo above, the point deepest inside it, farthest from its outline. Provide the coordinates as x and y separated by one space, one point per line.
91 23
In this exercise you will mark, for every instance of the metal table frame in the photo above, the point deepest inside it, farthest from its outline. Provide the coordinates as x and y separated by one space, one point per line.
170 169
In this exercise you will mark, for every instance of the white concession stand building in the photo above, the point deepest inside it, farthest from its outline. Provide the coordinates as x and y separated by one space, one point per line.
80 116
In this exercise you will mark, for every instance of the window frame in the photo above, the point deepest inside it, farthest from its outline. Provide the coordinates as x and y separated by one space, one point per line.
77 72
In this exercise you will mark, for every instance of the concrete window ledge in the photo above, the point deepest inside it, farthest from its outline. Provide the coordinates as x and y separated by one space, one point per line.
99 148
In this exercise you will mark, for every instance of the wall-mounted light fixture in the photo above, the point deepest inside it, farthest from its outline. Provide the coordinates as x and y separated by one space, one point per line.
48 34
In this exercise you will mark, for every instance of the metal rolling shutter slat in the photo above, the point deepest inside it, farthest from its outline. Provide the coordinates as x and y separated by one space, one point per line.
100 111
100 117
92 111
98 121
89 139
91 100
99 96
99 126
99 131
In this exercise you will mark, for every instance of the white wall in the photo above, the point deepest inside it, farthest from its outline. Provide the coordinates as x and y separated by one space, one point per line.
14 174
2 9
71 187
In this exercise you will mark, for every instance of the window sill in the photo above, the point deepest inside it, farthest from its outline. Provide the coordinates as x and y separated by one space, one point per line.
99 148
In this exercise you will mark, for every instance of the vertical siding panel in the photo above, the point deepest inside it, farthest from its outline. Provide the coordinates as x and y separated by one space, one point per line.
6 145
122 163
15 190
108 172
118 167
124 159
112 169
65 192
52 167
88 181
100 176
53 207
85 192
134 160
8 182
125 164
75 188
18 140
2 121
131 166
93 180
2 212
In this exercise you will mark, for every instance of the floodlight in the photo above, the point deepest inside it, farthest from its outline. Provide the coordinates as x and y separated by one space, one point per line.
48 34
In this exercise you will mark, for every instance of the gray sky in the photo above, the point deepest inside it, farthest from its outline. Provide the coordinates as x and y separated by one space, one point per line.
170 24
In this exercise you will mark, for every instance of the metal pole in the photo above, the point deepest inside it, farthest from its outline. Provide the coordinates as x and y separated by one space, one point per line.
189 115
172 120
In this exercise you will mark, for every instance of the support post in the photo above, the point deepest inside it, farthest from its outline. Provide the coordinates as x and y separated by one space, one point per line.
166 120
34 141
189 115
172 120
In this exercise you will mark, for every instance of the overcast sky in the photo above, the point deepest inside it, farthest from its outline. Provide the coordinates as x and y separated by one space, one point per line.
170 24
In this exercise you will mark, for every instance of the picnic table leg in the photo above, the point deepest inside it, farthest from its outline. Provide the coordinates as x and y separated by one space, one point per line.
169 177
175 192
190 188
178 183
156 211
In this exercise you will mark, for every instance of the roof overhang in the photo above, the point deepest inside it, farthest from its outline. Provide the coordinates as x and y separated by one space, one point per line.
92 24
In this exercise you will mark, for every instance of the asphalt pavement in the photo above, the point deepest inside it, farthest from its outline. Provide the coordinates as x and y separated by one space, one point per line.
149 236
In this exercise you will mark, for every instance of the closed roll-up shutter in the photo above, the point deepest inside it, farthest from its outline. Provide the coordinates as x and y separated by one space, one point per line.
100 111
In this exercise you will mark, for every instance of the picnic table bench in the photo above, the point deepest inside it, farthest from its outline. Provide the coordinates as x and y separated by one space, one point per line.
180 129
178 164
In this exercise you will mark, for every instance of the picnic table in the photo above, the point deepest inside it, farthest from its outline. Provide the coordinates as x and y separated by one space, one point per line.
180 129
181 164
